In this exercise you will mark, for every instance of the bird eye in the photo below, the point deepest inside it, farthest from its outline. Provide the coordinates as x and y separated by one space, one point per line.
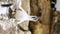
35 17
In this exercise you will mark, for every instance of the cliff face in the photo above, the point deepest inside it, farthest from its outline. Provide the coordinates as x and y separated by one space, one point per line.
40 8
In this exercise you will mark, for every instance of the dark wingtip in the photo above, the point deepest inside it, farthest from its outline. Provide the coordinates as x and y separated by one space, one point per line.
6 5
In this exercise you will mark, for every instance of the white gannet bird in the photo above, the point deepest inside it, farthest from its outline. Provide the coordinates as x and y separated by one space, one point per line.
22 16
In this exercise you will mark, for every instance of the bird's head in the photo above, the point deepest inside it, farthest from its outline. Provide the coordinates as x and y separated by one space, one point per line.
33 18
